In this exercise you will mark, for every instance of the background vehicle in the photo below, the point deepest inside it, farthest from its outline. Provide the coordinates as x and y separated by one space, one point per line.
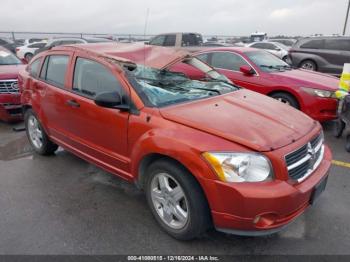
323 54
275 48
195 147
289 42
33 40
10 106
177 40
262 72
8 44
258 37
27 52
67 41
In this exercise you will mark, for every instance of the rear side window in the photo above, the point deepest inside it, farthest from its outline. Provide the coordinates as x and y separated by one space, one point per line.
37 45
190 40
34 67
203 57
337 44
170 40
227 61
158 40
92 78
54 70
313 44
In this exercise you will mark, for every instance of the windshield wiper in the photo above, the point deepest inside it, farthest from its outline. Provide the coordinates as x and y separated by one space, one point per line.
279 68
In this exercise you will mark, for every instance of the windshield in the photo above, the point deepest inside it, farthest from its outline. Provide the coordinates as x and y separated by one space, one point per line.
7 58
267 62
162 87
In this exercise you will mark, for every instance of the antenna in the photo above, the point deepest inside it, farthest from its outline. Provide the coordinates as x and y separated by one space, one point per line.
144 45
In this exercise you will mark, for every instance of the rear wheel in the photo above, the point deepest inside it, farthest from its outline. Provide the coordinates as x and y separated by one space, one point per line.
308 65
37 136
286 99
176 200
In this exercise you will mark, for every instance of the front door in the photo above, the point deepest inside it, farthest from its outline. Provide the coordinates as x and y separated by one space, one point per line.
97 133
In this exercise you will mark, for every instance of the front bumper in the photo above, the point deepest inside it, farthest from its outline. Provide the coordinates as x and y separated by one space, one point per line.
321 109
10 107
263 208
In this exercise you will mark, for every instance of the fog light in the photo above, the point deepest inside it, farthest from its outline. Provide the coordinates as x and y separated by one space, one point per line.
265 220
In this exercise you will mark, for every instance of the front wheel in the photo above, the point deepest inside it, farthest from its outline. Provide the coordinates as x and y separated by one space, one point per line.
286 99
176 200
28 57
308 65
37 136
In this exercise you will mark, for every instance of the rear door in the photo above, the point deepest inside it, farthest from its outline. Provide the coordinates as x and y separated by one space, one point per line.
338 52
52 90
97 133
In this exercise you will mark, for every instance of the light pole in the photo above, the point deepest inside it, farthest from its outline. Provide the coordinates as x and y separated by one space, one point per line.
346 18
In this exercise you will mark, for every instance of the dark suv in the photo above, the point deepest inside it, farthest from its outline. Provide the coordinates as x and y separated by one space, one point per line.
324 54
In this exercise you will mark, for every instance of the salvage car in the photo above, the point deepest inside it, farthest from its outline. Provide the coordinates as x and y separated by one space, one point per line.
10 106
205 152
257 70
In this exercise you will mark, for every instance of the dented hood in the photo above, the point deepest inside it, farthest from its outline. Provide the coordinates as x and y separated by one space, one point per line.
151 56
245 117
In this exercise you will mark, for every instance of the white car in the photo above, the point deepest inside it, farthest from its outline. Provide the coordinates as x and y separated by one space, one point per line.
275 48
27 51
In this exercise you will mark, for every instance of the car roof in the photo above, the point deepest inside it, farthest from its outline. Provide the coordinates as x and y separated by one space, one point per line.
237 49
135 53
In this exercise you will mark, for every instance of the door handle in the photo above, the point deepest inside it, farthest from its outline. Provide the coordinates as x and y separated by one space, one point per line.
73 103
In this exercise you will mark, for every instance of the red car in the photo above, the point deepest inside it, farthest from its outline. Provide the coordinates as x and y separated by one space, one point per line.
10 107
205 152
260 71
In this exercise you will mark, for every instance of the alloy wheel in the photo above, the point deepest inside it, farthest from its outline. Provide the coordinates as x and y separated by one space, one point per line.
169 201
35 132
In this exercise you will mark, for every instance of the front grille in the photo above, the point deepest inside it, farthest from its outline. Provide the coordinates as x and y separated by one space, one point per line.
303 161
9 86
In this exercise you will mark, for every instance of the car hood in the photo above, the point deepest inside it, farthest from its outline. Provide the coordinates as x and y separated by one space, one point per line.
307 78
10 71
245 117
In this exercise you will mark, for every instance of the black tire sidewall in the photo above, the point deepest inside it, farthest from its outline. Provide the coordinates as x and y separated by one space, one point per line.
197 205
347 143
311 62
338 128
292 101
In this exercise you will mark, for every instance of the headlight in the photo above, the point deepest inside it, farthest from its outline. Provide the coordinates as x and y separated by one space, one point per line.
240 167
318 92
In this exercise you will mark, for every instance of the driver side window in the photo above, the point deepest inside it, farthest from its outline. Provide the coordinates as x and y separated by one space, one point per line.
92 78
229 61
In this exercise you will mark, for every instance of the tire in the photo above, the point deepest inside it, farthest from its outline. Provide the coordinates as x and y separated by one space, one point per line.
286 99
338 128
347 143
285 58
37 136
28 57
308 65
192 215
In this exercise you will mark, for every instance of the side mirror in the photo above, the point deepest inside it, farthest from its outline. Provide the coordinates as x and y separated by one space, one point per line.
111 100
247 70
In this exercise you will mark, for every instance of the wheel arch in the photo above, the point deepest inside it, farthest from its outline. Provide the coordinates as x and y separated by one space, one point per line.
293 94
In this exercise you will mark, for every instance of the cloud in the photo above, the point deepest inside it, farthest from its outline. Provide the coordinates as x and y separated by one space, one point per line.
219 17
281 13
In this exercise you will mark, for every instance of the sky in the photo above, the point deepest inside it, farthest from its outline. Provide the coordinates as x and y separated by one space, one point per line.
209 17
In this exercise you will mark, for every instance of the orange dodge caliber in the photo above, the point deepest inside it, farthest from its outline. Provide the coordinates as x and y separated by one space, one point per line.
206 153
